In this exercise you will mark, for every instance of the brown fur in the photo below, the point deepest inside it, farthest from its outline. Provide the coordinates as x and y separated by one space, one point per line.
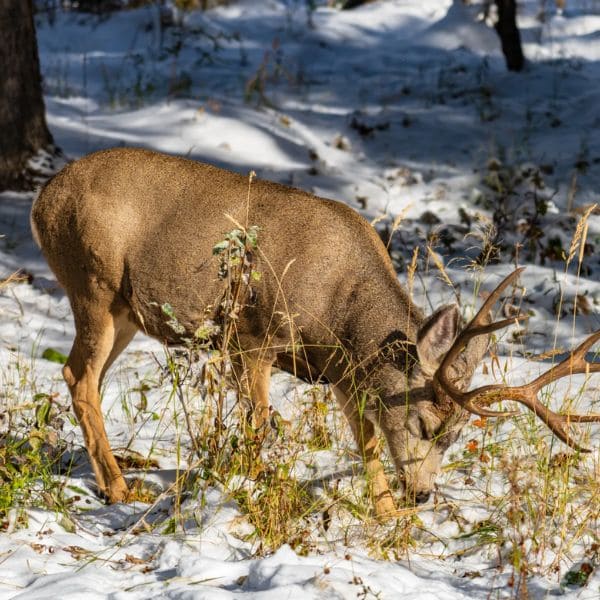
127 230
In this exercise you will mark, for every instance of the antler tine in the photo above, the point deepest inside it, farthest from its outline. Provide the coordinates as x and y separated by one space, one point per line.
558 423
490 327
526 395
477 326
476 400
482 314
582 349
574 364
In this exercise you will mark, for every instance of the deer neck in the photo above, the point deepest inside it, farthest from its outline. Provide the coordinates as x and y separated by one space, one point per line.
377 332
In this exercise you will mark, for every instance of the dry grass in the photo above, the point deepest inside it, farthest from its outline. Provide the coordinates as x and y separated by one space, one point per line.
541 507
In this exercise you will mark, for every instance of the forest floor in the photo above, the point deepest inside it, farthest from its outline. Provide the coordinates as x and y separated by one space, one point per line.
404 110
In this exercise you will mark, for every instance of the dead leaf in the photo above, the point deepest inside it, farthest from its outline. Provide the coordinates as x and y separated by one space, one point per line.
77 552
134 560
130 459
472 445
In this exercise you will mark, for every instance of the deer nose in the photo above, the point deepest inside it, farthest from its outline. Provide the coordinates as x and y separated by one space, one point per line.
422 497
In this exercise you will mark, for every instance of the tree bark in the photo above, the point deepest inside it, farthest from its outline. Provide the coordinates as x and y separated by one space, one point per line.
507 30
22 115
348 4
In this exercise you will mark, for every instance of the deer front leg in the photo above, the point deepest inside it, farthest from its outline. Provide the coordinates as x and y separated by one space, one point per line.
253 373
368 445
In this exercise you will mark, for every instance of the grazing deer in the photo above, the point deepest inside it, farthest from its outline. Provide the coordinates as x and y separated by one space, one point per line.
128 230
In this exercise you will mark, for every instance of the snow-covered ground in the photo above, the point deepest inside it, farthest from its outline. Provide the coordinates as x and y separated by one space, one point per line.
399 108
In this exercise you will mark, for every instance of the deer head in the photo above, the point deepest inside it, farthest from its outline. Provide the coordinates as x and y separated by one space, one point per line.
421 423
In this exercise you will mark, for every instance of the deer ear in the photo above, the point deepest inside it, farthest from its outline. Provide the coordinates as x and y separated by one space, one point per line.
436 336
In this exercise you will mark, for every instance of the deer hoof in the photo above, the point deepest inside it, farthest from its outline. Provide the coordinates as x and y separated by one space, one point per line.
117 492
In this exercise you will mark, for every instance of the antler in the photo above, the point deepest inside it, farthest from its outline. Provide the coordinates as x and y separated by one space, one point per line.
476 400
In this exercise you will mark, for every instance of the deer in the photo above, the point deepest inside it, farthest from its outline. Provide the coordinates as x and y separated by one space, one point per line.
126 230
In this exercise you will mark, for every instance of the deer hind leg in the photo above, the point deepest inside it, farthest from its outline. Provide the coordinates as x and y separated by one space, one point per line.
125 330
101 334
368 444
252 370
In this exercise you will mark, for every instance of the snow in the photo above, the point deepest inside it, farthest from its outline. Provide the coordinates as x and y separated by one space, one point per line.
398 107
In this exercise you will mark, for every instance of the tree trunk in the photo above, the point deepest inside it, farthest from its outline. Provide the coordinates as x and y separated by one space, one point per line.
348 4
509 34
22 116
